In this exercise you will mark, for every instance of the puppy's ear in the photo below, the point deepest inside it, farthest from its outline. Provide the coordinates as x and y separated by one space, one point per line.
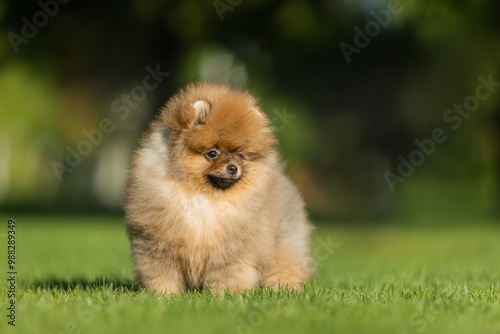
262 116
257 111
200 109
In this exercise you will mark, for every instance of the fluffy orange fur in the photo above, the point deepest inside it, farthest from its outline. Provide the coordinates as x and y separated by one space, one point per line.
207 203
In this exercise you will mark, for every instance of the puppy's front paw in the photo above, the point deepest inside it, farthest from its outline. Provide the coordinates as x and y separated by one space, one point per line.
233 279
290 286
167 291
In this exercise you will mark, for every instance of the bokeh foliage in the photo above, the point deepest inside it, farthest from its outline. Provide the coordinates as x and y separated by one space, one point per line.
349 122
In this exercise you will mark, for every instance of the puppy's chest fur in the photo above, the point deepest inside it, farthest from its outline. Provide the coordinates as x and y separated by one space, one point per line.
199 216
210 232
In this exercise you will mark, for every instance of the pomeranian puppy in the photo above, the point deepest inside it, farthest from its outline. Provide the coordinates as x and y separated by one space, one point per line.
207 203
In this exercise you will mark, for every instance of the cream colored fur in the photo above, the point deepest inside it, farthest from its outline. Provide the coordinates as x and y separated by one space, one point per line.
186 233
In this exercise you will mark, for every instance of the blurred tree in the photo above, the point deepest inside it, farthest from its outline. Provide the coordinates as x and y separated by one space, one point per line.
348 123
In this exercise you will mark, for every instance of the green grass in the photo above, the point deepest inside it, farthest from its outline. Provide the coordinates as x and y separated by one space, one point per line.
75 276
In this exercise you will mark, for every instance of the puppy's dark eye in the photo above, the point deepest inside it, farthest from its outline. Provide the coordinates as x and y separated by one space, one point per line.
241 155
212 154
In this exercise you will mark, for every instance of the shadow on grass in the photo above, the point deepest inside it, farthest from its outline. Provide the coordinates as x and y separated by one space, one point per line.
124 285
78 283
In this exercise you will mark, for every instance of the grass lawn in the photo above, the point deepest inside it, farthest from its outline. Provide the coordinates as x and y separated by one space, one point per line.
75 276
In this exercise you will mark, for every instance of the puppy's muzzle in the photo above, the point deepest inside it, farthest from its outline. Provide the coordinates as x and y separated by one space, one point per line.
222 182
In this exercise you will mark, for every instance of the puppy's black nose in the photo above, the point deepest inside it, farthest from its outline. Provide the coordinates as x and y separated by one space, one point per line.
232 169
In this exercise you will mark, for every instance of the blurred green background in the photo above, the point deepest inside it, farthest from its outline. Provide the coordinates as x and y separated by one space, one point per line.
344 122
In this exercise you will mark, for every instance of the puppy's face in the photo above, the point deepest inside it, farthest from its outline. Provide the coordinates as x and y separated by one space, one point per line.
225 167
225 145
